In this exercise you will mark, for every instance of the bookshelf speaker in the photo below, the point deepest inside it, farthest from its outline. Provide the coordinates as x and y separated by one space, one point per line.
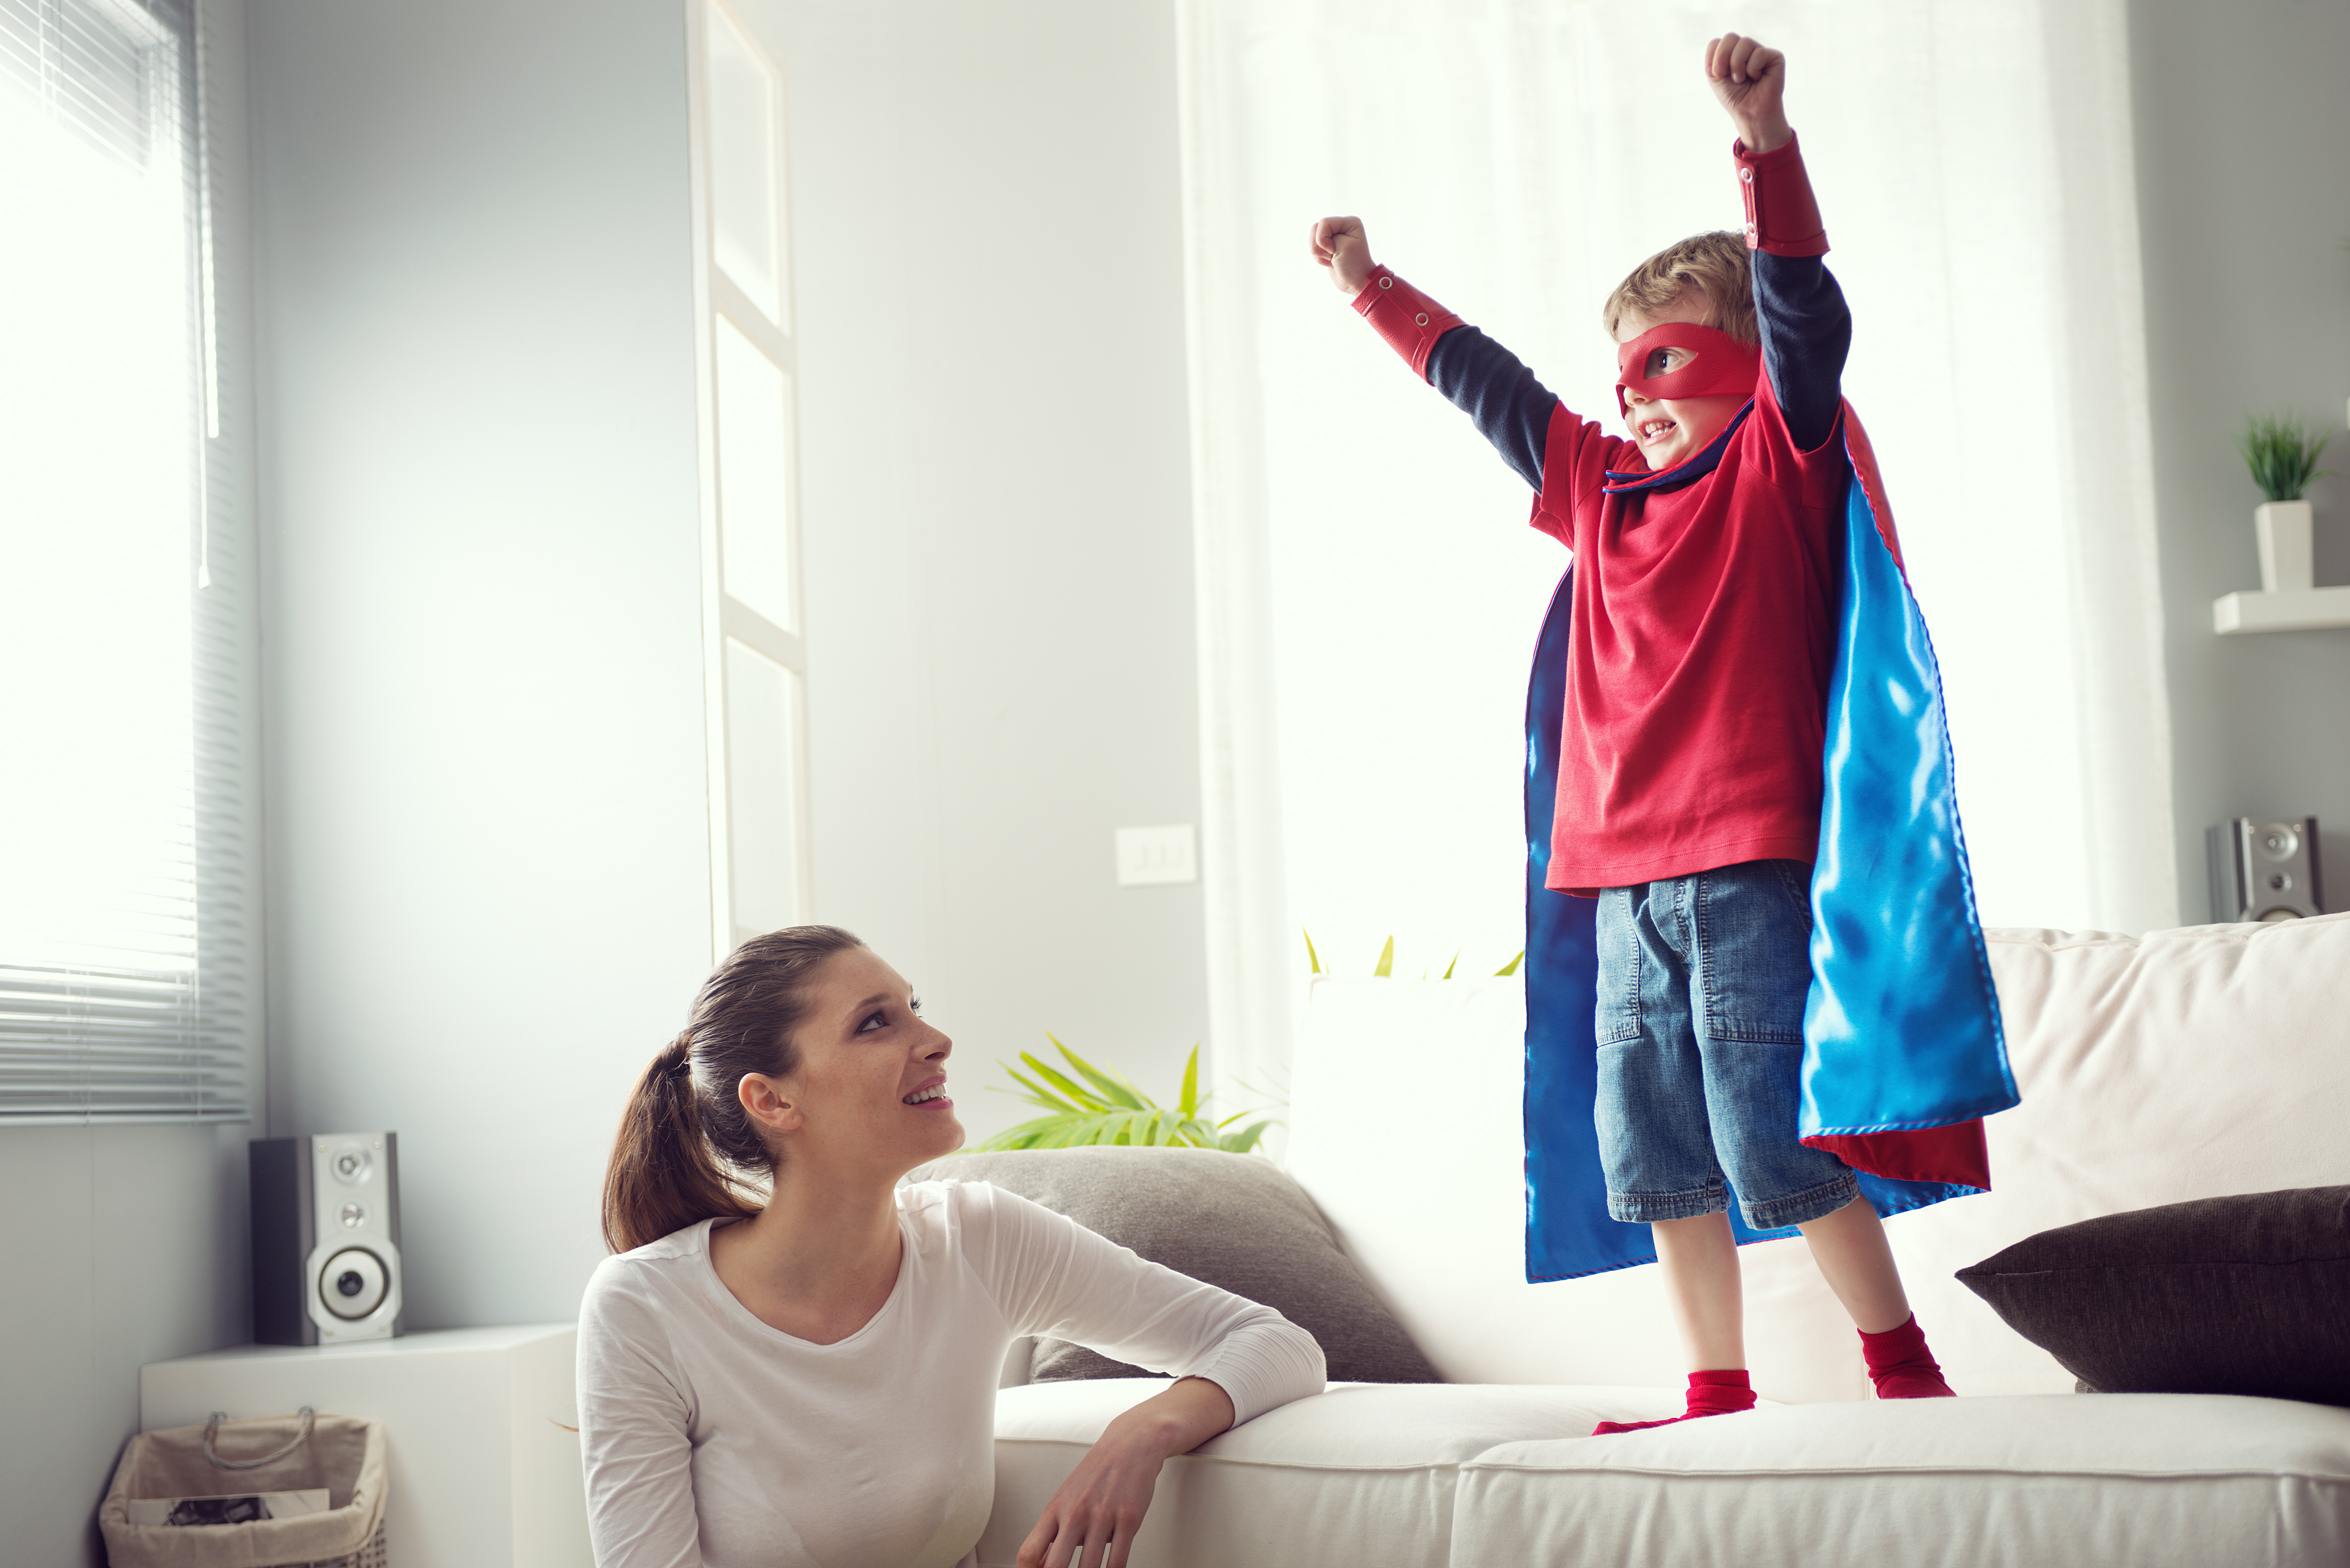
326 1238
2264 870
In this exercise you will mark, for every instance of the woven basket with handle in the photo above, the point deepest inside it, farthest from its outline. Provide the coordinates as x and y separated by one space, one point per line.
344 1455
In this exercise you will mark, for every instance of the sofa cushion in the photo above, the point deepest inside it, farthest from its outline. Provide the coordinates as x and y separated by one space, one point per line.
1232 1220
2248 1294
2119 1480
1361 1474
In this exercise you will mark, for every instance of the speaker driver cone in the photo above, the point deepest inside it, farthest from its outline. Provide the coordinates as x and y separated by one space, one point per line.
352 1284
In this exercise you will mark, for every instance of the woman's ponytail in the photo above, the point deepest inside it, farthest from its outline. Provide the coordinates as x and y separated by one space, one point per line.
687 1150
662 1178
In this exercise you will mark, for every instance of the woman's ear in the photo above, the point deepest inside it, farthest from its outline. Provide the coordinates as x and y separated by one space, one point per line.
768 1105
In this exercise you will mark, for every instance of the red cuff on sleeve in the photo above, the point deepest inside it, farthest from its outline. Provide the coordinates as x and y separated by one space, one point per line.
1406 318
1781 215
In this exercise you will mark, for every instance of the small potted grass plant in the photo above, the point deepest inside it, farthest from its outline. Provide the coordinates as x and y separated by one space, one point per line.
2283 454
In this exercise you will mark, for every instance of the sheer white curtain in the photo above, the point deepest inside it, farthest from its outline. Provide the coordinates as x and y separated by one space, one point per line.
1368 592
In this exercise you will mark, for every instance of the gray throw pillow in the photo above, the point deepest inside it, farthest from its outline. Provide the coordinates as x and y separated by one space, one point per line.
2223 1295
1231 1220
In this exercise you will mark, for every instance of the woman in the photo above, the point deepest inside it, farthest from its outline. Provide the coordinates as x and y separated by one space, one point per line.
811 1380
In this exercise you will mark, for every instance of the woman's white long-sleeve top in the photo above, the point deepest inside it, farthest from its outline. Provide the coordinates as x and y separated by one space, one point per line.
713 1441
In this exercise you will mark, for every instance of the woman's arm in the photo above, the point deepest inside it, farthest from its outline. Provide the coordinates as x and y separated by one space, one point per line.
633 1427
1098 1510
1054 1278
1234 1359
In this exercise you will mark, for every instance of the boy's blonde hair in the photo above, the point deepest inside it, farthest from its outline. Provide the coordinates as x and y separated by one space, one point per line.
1715 265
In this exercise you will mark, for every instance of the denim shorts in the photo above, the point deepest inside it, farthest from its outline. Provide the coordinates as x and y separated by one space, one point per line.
1701 986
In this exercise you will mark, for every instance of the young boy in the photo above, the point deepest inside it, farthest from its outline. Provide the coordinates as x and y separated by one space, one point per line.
1688 786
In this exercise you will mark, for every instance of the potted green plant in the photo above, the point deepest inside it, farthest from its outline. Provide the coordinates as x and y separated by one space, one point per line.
2283 454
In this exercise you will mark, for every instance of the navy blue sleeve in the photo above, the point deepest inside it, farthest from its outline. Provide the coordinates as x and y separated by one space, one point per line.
1500 397
1807 332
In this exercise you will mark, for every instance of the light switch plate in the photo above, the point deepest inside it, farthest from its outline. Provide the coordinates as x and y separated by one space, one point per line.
1150 856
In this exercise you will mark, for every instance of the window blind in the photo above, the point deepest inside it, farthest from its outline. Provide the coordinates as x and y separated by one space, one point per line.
127 842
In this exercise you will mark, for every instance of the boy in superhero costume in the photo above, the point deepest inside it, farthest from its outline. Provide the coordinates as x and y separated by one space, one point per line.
1751 946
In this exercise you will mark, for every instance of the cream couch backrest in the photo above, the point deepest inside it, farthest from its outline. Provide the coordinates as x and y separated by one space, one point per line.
2185 1064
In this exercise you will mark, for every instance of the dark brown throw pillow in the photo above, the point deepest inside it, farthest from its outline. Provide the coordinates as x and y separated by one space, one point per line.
2222 1295
1231 1220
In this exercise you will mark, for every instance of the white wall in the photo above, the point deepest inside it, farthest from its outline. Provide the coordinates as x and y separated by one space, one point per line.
987 252
2241 126
487 809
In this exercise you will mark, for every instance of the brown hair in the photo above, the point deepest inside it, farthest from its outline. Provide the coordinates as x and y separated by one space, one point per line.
688 1150
1715 265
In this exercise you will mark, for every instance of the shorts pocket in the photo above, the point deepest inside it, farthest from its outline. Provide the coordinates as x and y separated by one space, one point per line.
1754 939
1618 947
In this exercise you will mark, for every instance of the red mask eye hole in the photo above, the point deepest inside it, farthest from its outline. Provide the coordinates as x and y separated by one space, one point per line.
1659 362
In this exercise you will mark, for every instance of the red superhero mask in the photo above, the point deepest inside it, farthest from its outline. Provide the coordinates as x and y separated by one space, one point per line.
1722 366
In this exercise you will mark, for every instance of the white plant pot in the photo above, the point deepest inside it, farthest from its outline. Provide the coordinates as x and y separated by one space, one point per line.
2288 563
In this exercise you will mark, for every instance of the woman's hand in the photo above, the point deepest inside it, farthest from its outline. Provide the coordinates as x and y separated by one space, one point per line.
1751 82
1091 1520
1338 244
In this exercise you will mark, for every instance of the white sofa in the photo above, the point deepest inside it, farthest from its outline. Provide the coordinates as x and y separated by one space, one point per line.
2186 1064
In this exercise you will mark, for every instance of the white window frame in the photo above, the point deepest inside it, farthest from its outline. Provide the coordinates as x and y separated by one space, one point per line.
719 297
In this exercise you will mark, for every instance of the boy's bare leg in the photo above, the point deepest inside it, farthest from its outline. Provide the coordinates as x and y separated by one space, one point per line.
1849 1245
1700 1265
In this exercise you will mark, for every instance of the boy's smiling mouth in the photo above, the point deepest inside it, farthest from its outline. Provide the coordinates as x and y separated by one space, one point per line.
1653 430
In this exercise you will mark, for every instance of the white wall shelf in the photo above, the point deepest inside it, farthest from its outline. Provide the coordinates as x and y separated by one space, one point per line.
2290 609
2288 598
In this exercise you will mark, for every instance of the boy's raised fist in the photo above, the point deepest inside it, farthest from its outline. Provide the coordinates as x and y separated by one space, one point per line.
1750 81
1338 244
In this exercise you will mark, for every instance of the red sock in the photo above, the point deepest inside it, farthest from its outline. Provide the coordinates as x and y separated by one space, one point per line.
1901 1366
1710 1393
